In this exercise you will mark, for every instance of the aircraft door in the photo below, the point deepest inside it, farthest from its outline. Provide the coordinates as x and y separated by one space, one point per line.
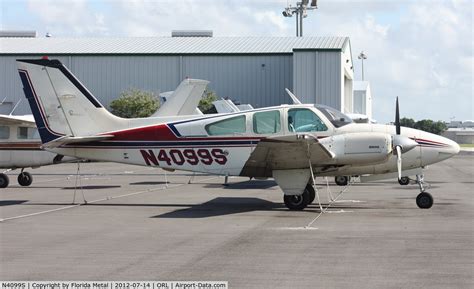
5 154
304 120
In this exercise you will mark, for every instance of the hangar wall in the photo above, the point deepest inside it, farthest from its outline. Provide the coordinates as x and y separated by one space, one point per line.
317 77
257 79
248 69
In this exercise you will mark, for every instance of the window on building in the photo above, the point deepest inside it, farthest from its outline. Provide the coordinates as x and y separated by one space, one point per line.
24 132
235 125
304 120
4 132
266 122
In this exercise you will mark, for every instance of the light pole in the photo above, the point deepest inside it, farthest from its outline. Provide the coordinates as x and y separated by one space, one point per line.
300 11
362 56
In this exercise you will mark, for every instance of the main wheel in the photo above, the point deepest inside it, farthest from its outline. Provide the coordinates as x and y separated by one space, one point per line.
25 179
404 181
424 200
296 202
341 180
4 181
311 193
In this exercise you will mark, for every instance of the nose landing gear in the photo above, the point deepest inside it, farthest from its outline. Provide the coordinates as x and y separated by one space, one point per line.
424 200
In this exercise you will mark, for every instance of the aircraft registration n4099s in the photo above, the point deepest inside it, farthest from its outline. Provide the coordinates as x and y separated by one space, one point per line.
291 143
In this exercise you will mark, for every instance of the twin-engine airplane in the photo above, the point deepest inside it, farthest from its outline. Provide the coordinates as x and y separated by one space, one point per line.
291 143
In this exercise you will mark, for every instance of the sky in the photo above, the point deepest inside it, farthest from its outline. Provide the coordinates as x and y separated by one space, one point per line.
421 51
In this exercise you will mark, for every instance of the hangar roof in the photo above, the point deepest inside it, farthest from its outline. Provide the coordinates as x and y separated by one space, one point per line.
169 45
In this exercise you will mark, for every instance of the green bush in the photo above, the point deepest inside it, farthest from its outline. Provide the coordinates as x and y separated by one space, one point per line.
205 104
134 103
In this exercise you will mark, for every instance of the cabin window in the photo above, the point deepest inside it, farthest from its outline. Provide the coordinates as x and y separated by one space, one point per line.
304 120
266 122
24 132
235 125
4 132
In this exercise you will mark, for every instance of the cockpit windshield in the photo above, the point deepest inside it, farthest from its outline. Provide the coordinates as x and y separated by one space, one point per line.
336 117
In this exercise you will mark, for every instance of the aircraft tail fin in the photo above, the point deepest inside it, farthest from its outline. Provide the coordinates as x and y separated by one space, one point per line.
184 100
61 105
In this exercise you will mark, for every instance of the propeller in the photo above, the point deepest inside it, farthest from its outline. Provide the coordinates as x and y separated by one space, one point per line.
401 144
398 147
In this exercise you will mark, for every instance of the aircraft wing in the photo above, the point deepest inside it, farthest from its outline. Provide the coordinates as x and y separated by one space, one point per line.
16 119
284 153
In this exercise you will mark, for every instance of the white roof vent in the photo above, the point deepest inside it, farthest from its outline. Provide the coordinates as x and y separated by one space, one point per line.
191 33
18 33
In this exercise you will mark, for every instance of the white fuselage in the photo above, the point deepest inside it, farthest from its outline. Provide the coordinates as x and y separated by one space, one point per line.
188 144
20 147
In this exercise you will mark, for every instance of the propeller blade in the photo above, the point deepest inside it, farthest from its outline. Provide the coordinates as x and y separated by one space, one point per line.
397 117
399 161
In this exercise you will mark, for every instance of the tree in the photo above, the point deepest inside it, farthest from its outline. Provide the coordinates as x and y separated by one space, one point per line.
431 126
205 104
134 103
428 125
407 122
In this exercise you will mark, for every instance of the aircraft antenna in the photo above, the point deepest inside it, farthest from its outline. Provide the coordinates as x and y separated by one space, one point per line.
16 105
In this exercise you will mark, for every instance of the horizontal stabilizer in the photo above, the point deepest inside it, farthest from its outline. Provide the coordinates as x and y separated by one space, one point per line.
75 139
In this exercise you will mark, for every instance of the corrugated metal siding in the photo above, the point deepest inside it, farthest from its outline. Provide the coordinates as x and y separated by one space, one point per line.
258 80
108 76
167 45
317 77
11 88
240 78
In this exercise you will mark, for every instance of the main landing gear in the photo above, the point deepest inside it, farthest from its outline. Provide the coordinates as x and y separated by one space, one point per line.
424 200
404 181
299 202
4 180
24 179
342 180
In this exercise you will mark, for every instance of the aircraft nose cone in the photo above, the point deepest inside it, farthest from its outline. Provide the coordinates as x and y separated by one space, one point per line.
450 150
454 148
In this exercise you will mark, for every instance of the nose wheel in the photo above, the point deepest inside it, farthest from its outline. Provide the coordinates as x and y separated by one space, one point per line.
424 200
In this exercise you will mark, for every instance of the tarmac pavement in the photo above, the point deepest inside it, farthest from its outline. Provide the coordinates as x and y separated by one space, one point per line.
140 224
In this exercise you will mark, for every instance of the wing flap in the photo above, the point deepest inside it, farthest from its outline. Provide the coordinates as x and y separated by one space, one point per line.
286 152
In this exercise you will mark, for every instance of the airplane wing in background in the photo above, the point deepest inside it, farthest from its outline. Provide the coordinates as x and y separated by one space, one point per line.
17 119
285 153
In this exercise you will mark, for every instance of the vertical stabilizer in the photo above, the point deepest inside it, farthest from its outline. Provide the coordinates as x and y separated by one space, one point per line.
184 100
61 104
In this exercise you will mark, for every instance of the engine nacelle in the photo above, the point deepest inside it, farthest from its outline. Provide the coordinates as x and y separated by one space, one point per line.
359 148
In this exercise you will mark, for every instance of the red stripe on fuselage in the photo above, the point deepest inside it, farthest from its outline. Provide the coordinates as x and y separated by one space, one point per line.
162 132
